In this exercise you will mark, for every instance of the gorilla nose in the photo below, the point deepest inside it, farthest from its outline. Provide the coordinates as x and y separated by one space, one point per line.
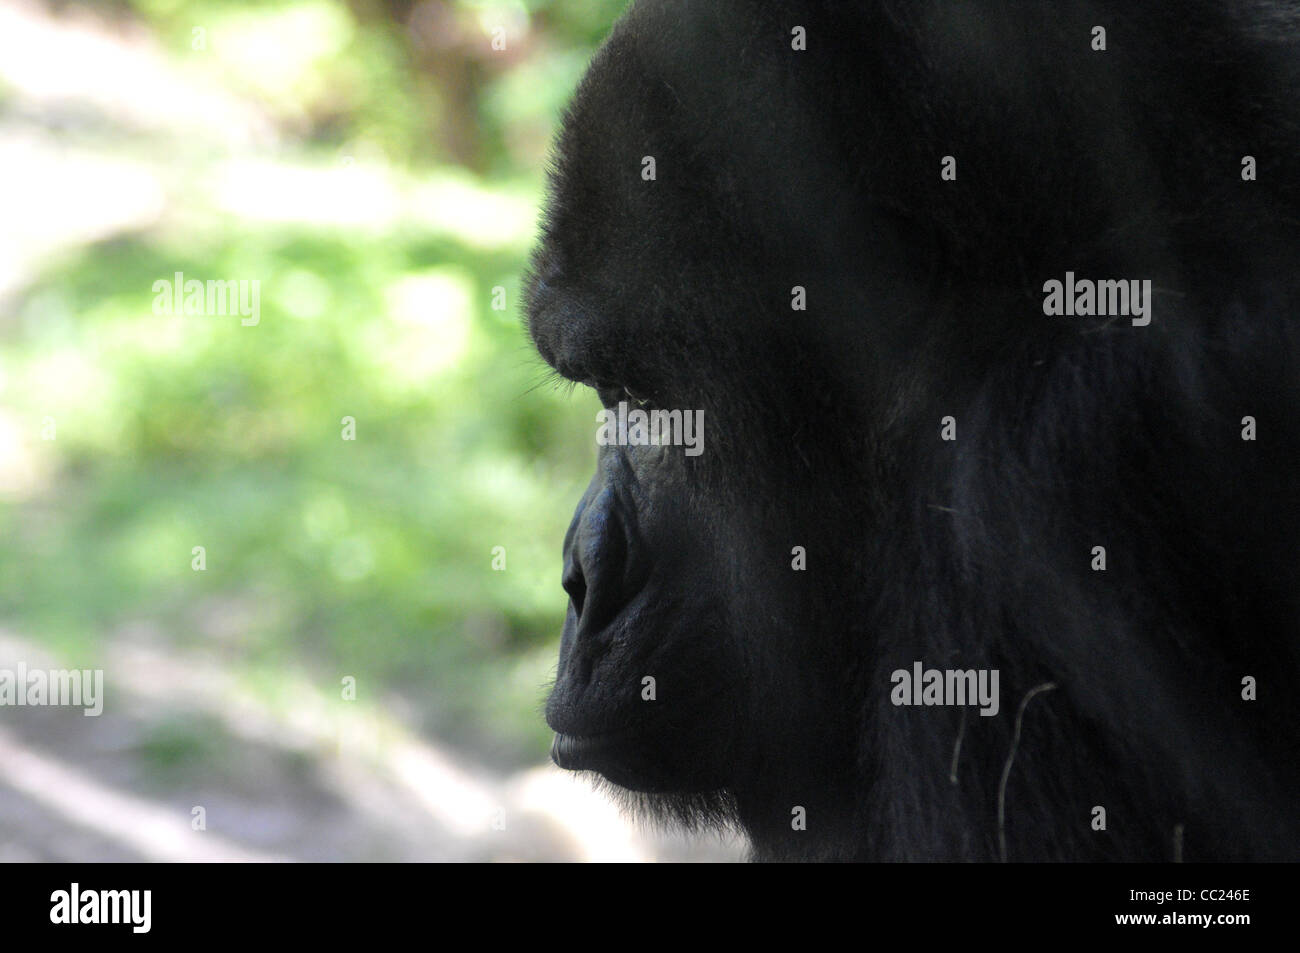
597 566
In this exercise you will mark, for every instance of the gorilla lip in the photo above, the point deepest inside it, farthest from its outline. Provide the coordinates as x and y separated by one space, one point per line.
577 752
617 757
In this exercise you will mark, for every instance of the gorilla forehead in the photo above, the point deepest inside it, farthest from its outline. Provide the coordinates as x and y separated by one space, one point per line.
730 203
681 287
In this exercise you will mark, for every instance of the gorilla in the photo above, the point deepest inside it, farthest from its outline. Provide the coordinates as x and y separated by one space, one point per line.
987 313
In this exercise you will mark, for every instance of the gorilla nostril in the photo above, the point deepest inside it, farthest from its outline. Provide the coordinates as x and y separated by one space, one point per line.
597 570
575 585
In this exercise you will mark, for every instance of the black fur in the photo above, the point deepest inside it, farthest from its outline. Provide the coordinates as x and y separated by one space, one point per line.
821 168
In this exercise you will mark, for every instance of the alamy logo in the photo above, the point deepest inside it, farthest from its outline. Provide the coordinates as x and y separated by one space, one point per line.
932 686
210 299
651 428
1086 298
78 688
75 905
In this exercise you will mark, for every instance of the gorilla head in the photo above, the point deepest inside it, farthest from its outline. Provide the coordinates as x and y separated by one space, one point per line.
826 232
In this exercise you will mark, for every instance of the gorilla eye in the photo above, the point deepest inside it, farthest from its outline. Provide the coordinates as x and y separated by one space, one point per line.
612 394
635 398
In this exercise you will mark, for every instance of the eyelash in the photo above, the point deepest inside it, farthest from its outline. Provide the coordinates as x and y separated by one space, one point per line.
609 394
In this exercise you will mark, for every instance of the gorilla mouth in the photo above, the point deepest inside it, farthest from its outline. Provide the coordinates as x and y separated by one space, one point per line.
573 753
586 752
619 756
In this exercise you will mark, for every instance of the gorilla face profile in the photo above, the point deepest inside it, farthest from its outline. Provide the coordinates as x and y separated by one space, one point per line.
983 545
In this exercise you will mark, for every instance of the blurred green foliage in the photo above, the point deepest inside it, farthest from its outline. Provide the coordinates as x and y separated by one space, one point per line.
329 557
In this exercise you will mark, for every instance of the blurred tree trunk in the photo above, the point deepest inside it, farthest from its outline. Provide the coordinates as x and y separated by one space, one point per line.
449 56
